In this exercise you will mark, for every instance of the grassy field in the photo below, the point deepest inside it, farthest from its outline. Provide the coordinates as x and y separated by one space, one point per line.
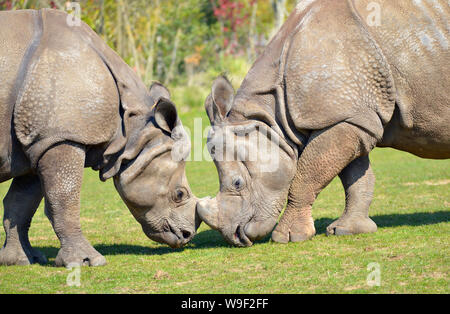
411 207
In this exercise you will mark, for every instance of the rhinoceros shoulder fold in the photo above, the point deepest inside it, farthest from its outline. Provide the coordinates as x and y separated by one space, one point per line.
76 89
324 68
335 72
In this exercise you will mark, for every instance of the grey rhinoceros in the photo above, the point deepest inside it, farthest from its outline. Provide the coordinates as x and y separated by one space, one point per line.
339 79
68 101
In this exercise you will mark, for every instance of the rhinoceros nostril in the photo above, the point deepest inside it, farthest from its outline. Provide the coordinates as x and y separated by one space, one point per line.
186 234
238 234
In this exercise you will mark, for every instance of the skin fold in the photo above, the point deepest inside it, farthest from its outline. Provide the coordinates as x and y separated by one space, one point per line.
339 79
67 101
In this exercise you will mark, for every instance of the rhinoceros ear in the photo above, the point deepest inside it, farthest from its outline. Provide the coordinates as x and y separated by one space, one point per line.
166 118
158 91
166 115
220 102
209 107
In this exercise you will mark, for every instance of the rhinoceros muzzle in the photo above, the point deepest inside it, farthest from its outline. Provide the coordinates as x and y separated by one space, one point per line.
174 238
241 234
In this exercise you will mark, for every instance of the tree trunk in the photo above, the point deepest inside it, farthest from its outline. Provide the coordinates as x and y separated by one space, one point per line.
131 40
171 71
119 29
251 54
279 8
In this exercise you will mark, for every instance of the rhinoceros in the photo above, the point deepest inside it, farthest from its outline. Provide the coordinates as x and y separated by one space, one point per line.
339 79
68 101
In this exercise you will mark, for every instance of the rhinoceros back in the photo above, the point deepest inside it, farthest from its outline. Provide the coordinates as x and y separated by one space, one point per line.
415 38
68 93
372 64
16 36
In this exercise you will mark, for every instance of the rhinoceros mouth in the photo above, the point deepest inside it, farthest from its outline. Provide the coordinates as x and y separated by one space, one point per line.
239 238
242 237
184 236
174 237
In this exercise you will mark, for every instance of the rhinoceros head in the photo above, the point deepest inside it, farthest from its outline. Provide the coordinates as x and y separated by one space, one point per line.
255 169
148 166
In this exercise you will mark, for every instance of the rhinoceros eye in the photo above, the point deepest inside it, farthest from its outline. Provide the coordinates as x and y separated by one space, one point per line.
180 195
238 183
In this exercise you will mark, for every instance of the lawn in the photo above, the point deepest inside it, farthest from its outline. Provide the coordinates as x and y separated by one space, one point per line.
411 207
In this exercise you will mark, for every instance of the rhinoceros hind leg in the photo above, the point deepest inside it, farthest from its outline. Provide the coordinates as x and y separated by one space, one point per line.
20 205
358 180
327 153
351 226
61 172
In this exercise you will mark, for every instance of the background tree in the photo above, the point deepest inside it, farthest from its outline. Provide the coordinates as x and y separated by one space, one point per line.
182 43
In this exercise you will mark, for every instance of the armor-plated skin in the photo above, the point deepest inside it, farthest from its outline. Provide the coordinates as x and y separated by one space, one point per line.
339 79
67 101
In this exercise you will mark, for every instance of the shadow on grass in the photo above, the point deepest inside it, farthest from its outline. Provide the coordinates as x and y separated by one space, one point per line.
204 240
212 239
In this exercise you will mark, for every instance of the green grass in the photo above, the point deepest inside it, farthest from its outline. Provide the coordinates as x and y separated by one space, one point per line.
411 208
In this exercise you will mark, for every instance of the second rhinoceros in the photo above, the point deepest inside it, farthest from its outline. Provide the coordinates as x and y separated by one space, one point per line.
67 101
340 78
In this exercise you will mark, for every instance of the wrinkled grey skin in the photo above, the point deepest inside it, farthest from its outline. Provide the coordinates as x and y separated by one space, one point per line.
332 87
67 102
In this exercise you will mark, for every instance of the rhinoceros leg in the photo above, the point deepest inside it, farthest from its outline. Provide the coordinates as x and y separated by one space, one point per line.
20 205
358 180
328 152
61 171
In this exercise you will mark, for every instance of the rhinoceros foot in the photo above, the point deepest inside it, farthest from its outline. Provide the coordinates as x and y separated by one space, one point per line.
16 255
79 253
294 229
349 225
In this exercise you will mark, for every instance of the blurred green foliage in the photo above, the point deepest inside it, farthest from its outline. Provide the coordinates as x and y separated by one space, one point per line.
183 44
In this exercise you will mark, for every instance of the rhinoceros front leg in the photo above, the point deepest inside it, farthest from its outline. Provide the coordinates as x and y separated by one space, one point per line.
61 172
358 180
328 152
20 205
